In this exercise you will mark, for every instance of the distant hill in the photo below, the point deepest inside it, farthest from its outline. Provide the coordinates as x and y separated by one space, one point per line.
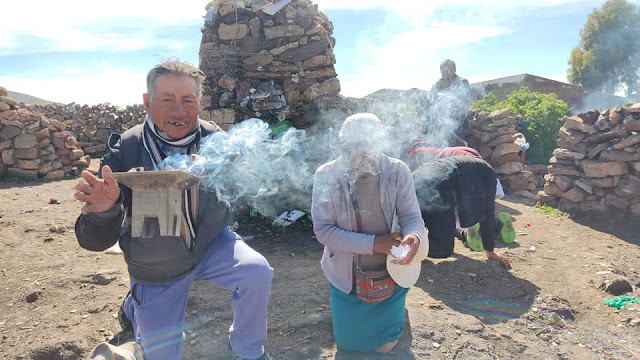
398 95
27 99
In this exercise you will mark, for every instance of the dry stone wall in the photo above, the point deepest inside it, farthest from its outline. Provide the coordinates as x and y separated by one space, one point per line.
92 125
35 146
264 64
597 163
492 134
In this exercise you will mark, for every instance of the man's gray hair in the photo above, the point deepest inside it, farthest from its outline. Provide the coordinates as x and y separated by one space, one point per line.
175 68
448 63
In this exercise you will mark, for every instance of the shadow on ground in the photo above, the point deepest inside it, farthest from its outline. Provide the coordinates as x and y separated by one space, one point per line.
622 225
482 289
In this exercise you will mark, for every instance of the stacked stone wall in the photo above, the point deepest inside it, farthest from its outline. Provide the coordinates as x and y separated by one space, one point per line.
597 163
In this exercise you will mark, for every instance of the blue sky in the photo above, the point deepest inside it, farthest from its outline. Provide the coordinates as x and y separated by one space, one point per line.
72 50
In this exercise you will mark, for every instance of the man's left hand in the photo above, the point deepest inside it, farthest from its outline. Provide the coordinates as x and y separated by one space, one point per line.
504 262
412 242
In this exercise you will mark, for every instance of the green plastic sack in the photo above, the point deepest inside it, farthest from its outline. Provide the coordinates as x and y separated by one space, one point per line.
621 301
281 127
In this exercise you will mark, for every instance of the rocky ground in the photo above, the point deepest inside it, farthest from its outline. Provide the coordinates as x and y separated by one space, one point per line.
59 300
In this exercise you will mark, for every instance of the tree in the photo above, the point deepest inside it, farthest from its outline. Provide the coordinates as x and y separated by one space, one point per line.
608 57
543 114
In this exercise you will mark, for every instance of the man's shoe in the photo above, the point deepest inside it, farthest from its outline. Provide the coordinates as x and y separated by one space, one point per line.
126 335
122 337
125 323
474 240
461 234
507 233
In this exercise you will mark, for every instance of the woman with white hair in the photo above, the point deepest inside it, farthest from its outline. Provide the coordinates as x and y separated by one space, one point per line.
357 198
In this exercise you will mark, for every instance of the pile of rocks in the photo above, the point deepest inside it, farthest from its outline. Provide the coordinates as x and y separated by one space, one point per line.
33 145
492 134
597 163
91 125
265 61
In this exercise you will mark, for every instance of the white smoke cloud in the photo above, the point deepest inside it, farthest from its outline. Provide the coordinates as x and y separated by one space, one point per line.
246 165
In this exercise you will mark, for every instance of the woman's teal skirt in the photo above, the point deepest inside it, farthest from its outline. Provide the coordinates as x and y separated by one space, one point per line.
359 326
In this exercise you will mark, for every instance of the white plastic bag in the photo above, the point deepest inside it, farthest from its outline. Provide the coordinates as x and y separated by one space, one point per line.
499 190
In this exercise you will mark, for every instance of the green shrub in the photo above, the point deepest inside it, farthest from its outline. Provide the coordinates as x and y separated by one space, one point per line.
542 113
489 103
551 211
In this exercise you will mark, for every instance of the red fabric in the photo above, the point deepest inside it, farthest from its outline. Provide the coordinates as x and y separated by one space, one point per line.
458 151
426 149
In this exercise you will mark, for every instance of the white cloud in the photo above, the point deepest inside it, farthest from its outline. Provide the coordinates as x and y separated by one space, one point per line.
62 24
435 32
177 45
119 86
410 59
73 70
420 6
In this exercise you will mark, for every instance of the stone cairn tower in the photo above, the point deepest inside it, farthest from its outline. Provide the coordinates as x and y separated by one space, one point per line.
265 59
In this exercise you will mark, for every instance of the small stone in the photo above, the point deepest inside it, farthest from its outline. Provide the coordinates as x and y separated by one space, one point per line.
73 311
217 332
57 229
33 296
48 239
597 169
254 27
25 141
102 278
617 286
500 114
232 32
9 132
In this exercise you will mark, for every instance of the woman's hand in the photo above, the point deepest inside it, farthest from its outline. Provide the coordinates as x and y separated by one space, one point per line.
501 259
412 242
382 243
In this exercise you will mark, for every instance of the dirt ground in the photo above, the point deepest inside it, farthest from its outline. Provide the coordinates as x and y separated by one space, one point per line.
58 300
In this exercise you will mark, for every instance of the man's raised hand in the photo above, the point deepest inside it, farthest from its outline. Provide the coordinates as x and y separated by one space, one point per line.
98 195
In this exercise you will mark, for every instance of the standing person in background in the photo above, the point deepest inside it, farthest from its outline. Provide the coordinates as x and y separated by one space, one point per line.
521 141
450 98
